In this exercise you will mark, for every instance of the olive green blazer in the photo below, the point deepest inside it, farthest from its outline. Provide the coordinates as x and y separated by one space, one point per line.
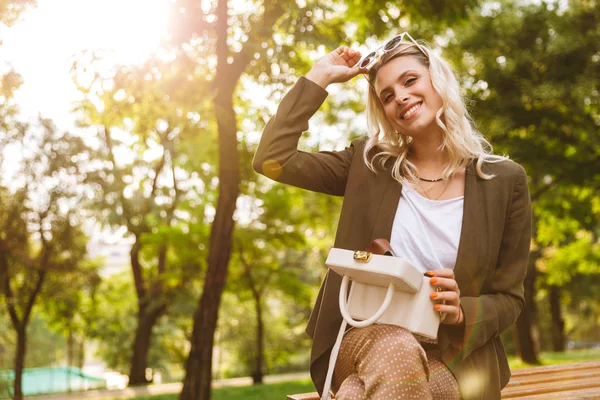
492 253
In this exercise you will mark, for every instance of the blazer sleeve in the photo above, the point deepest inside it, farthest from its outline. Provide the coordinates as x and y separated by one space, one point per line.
488 315
277 156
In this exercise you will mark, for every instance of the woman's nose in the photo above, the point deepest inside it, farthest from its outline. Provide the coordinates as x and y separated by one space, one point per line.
402 98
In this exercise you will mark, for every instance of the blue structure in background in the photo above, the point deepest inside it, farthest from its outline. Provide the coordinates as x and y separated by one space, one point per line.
54 380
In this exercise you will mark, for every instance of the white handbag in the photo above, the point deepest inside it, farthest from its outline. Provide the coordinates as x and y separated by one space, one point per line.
384 290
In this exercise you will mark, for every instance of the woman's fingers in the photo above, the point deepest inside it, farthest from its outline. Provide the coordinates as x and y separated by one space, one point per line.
444 283
452 312
442 273
447 294
349 56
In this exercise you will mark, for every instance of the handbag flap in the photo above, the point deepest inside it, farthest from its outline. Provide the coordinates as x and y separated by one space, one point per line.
379 270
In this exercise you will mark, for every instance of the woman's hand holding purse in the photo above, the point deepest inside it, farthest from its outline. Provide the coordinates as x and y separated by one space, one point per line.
448 294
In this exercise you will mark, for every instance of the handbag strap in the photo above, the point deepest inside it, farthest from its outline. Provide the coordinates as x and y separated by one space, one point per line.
332 359
347 320
374 317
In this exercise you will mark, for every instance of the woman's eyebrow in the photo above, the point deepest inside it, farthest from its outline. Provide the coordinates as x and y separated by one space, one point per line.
402 75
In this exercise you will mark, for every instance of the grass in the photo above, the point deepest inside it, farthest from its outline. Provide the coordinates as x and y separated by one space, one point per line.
547 358
271 391
278 391
274 391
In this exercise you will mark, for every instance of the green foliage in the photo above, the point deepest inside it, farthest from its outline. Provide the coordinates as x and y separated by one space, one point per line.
40 232
68 305
286 344
112 319
581 256
154 115
146 178
48 346
6 386
533 71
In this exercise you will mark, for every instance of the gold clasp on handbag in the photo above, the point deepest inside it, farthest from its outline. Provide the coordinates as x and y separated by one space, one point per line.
364 256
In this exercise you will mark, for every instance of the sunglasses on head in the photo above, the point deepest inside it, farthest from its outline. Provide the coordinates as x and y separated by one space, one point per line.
370 59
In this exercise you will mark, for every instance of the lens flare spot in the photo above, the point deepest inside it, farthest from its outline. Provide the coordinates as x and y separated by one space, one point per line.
472 383
272 169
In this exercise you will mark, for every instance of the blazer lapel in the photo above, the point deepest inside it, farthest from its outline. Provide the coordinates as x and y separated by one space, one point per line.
467 258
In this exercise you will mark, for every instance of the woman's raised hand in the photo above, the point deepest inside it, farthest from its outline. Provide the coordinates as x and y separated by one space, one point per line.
444 280
340 65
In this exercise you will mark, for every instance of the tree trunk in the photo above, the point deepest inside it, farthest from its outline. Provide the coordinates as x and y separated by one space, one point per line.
81 353
20 326
70 346
257 374
558 324
141 344
20 362
81 357
198 367
526 342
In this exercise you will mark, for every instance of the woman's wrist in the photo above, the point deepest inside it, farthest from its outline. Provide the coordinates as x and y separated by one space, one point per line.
318 77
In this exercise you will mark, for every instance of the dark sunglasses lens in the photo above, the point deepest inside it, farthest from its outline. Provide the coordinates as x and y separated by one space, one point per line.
393 43
365 63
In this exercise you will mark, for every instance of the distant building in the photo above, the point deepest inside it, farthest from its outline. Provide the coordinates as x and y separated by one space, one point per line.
113 252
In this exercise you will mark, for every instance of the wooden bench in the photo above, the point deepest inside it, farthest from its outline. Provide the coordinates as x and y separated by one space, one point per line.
563 381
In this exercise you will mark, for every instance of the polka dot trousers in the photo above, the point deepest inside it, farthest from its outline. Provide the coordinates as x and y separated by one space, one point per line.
386 362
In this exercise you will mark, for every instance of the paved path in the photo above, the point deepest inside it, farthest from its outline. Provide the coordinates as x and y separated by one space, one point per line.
165 388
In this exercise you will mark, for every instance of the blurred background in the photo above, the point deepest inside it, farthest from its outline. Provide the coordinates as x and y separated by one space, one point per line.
138 247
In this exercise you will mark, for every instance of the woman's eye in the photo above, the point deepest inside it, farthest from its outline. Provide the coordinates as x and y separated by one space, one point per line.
387 98
410 81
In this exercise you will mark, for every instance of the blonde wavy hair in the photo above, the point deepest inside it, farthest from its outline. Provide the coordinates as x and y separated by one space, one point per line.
461 140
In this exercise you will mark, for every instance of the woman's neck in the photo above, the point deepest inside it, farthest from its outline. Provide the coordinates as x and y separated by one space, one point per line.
427 155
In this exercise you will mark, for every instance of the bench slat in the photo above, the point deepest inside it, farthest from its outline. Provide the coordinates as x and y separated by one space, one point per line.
304 396
581 394
564 375
554 387
554 368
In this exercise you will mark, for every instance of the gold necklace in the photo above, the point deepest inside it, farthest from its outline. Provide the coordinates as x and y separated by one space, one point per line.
440 195
430 180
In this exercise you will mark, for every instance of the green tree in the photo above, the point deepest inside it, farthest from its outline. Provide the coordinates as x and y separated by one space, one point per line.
567 233
270 261
141 180
532 71
40 234
68 302
268 255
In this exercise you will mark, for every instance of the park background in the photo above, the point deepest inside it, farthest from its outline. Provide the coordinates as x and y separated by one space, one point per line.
135 239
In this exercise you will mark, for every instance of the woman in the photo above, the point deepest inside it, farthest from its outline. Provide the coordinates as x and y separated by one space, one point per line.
426 180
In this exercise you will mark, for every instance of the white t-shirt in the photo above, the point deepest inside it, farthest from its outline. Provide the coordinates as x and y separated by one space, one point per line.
426 232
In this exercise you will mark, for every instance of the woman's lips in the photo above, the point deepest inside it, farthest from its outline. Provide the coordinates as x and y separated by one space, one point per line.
412 111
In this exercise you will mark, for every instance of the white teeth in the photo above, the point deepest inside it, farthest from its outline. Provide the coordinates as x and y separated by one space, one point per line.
411 111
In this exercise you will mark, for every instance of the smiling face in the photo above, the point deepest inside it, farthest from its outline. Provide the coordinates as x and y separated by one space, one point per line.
409 100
